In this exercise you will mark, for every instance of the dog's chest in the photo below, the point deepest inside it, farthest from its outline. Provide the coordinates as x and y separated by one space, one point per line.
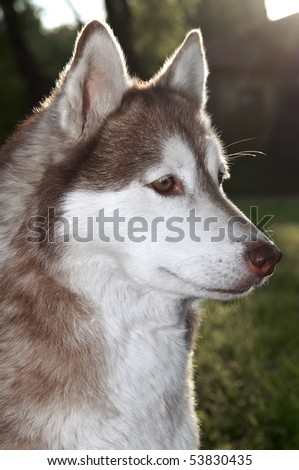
148 397
150 390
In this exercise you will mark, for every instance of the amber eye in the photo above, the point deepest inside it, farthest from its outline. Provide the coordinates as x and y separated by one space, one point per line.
220 177
167 186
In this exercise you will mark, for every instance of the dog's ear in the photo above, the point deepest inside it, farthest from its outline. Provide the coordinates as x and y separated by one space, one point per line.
186 71
93 83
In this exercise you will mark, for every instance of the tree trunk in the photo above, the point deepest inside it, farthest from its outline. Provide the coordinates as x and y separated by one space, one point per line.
35 83
120 19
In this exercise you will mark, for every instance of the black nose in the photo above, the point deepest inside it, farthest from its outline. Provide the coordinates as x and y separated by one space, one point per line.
262 258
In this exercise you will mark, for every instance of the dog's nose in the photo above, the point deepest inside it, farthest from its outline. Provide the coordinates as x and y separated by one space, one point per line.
262 258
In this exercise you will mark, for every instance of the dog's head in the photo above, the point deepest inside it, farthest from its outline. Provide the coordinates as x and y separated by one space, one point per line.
143 171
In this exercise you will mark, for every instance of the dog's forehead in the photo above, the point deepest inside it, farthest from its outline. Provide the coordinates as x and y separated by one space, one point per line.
150 116
169 113
182 133
149 125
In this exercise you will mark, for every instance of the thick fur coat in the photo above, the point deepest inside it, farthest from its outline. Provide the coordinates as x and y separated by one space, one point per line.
96 334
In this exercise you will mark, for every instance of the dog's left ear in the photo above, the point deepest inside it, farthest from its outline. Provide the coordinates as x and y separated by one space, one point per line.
186 71
93 83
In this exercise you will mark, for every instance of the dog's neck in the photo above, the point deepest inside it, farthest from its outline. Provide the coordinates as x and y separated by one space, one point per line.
147 354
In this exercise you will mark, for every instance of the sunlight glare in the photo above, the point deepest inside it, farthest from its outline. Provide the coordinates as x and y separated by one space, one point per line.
277 9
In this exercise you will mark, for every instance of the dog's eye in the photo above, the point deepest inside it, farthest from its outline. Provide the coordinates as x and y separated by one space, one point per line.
220 177
168 186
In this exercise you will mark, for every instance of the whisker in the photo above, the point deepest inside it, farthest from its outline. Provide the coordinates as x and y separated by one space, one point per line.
239 142
246 153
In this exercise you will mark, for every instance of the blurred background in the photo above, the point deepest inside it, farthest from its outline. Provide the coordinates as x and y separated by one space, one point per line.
247 359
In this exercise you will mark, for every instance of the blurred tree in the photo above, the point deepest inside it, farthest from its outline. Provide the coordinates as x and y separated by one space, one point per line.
36 84
149 30
46 52
119 16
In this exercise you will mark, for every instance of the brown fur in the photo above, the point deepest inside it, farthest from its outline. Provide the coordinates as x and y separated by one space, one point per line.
49 357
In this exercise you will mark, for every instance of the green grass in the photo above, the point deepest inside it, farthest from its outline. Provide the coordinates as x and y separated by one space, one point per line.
247 358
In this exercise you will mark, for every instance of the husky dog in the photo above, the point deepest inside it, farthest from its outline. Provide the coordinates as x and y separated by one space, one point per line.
97 319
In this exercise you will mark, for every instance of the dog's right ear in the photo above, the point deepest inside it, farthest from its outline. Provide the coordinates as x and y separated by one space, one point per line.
187 70
93 83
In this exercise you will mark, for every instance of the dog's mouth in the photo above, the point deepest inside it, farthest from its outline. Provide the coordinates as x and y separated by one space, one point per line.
240 288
